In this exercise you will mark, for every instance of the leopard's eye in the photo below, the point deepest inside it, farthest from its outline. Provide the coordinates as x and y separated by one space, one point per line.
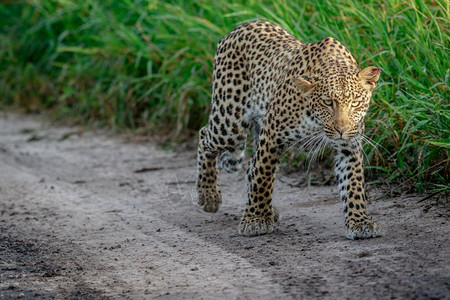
356 103
327 102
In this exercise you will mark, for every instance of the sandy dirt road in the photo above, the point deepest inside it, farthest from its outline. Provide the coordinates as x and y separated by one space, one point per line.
92 217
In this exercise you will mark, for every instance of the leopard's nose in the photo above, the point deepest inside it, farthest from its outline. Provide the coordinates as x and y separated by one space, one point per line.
341 130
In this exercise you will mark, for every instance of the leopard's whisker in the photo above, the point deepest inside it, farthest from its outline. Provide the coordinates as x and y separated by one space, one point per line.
318 149
361 149
309 144
307 137
367 140
374 144
312 146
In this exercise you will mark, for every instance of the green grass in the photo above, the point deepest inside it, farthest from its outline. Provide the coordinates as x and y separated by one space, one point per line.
148 64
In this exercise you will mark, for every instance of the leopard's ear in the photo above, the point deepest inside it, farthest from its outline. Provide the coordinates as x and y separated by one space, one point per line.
303 85
369 77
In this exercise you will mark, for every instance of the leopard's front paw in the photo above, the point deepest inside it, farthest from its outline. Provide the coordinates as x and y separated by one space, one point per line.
363 229
254 225
210 199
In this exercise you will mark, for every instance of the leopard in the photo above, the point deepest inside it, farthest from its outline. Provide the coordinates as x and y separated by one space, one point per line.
286 92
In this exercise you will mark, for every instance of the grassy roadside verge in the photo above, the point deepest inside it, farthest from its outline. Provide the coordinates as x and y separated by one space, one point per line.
147 64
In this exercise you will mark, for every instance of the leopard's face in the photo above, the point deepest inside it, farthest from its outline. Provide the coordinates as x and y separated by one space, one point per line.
340 103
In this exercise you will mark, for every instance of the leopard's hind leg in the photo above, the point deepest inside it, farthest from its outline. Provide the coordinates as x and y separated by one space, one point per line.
210 147
209 195
228 125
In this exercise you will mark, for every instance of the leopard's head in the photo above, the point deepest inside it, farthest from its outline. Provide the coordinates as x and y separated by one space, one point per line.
341 101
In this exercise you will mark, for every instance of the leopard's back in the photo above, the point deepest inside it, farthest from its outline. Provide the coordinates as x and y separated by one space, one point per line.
249 64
